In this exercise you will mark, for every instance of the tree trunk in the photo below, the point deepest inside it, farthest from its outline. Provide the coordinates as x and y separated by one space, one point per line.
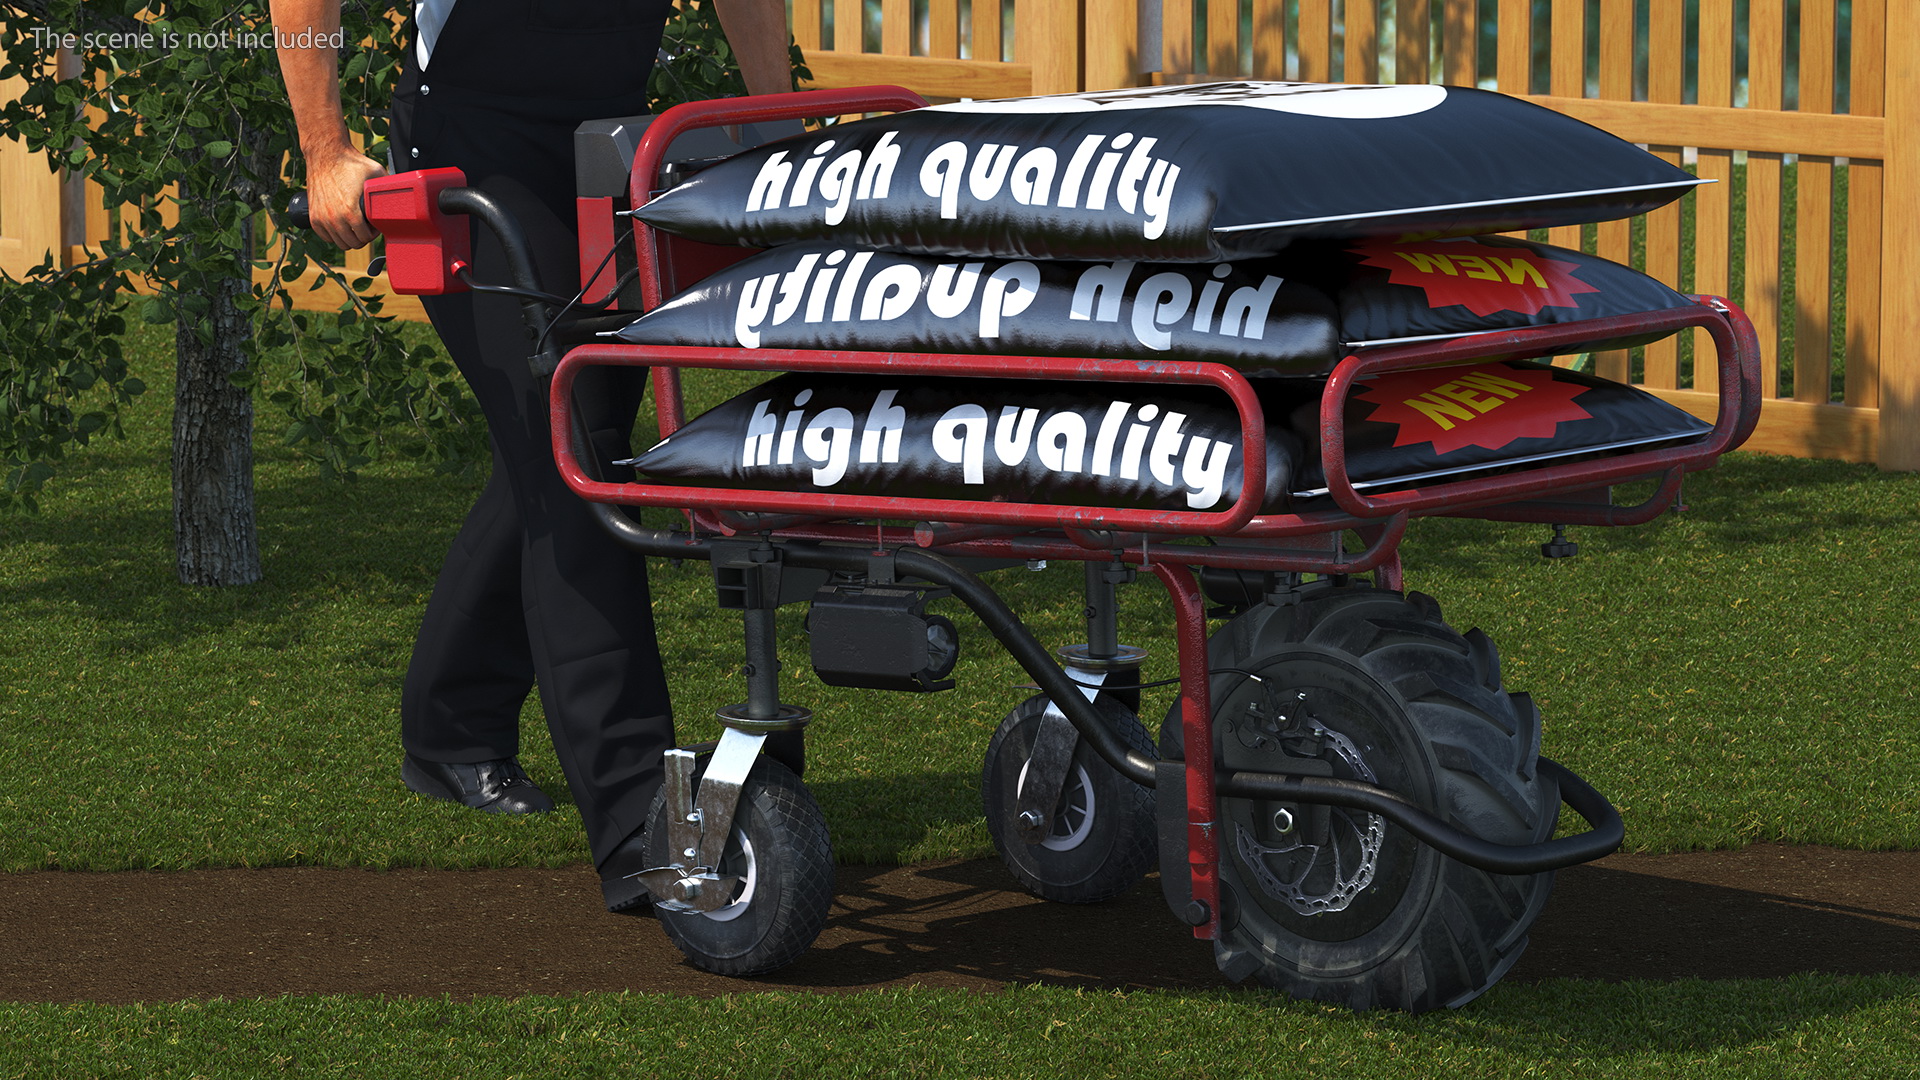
215 542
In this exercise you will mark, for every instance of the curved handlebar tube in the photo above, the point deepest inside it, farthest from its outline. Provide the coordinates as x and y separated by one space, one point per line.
519 255
1606 833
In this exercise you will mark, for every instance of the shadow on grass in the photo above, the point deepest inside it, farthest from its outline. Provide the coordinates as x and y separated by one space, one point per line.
379 539
1676 949
903 816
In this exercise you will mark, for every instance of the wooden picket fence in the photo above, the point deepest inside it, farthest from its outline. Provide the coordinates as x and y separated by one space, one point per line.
1824 252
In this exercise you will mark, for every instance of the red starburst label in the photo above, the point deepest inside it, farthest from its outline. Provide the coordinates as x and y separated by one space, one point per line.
1481 277
1485 405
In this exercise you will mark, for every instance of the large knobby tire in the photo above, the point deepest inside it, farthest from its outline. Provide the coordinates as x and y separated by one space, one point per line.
1376 686
1102 840
779 849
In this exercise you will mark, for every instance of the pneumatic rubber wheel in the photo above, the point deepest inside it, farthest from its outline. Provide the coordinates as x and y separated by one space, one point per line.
779 851
1338 905
1102 839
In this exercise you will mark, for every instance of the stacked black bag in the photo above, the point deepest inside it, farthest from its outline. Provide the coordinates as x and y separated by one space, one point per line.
1273 227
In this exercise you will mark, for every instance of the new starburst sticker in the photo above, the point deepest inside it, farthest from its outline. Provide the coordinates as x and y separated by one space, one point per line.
1483 278
1485 405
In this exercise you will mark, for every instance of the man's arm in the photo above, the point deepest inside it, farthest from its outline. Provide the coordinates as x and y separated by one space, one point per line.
336 169
757 30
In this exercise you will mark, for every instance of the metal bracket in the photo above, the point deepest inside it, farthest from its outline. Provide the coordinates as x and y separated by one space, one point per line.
1046 772
746 576
697 833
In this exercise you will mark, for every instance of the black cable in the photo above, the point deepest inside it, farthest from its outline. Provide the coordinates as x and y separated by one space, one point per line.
612 295
466 278
1161 682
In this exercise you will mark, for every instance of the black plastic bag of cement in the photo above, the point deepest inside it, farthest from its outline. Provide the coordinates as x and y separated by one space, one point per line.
1135 445
1174 174
1407 428
819 296
1393 292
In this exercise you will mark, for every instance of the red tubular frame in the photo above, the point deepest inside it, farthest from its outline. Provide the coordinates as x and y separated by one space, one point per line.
1733 340
1572 492
1039 515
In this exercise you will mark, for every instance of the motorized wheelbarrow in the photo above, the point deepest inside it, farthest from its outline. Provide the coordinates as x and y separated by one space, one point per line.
1345 799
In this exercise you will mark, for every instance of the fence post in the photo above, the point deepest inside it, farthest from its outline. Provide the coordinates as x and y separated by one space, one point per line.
1049 40
1113 49
1900 278
30 201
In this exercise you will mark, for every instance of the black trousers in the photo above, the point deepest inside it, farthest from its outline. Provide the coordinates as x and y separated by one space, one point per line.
534 591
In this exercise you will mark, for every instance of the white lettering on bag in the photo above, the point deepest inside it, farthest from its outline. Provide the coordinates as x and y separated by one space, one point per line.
758 448
941 173
792 288
831 287
829 438
951 291
1010 290
1013 433
1109 431
1104 285
960 438
770 184
1151 441
1033 176
803 184
880 439
756 296
1063 442
1248 308
1124 172
1205 474
891 293
837 186
876 179
1161 302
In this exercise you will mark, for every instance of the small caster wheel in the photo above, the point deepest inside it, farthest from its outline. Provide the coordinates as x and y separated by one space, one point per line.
780 854
1103 837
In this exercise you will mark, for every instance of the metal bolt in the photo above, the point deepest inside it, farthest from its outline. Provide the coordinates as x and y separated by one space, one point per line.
1283 820
1031 819
425 90
690 853
415 152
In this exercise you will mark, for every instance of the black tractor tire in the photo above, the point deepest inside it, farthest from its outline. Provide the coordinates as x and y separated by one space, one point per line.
779 847
1103 839
1421 708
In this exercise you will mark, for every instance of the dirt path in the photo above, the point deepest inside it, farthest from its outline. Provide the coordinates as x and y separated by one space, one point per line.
1763 912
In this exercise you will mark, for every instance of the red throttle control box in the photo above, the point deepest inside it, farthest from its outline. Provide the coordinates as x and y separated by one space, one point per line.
425 248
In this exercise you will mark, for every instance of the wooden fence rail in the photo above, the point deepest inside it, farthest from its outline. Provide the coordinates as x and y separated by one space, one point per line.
1812 132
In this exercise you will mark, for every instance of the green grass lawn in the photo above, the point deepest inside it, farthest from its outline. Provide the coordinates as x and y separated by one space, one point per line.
1800 1027
1741 672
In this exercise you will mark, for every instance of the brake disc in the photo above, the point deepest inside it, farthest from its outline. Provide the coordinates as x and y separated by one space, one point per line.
1348 882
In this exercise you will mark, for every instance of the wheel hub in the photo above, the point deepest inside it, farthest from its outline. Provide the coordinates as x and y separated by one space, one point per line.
1315 878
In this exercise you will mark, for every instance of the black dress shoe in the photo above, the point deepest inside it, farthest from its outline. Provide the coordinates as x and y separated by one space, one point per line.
623 893
495 787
